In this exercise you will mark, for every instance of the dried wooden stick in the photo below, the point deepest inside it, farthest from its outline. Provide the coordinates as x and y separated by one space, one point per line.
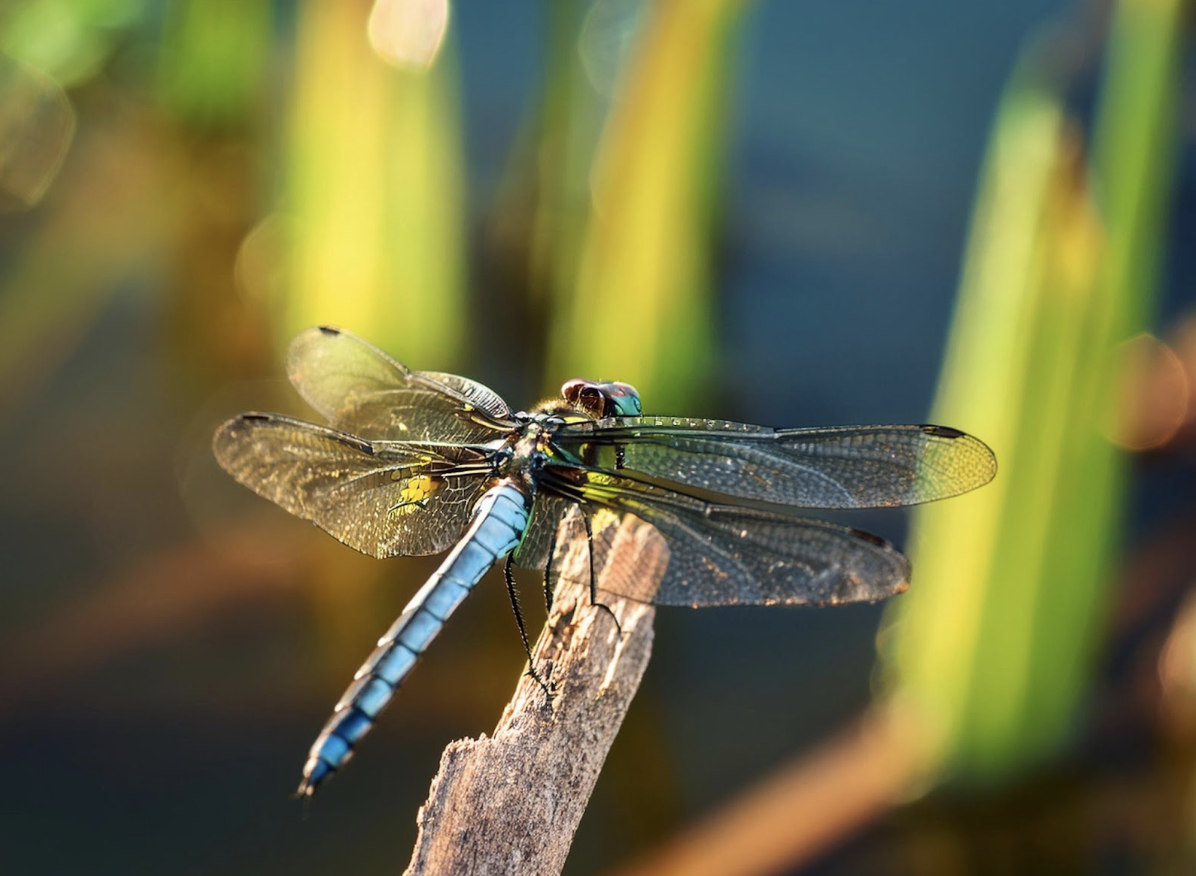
512 802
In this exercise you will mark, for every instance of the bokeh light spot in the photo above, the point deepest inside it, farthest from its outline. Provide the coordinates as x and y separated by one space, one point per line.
37 124
408 33
1152 394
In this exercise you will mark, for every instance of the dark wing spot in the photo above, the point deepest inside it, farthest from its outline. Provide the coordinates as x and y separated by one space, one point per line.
256 418
869 537
330 330
941 431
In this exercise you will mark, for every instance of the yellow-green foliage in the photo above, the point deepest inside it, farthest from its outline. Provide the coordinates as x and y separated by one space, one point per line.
375 191
995 641
214 59
646 253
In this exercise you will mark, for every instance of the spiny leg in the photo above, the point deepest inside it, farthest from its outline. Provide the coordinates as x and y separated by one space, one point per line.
593 578
531 666
548 570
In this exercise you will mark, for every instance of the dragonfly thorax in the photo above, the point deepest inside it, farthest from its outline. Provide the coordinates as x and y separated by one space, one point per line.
526 451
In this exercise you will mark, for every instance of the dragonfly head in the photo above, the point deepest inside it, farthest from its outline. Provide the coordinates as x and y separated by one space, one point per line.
600 400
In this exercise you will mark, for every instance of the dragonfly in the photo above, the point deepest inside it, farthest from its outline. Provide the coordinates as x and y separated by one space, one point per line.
420 462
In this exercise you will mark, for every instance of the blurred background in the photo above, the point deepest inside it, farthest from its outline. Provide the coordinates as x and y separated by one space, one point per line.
788 213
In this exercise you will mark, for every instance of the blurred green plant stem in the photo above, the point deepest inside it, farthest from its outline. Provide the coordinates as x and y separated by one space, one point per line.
646 251
375 189
995 643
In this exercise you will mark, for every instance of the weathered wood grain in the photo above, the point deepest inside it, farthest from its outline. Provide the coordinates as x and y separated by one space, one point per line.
510 803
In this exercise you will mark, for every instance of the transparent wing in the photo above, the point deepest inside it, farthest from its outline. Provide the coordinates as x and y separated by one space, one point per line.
538 540
362 390
841 467
382 498
725 555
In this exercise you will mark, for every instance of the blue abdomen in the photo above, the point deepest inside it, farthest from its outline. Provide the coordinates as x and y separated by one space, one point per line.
499 521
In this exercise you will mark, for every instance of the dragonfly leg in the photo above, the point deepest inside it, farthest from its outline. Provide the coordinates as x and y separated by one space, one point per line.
548 572
593 578
531 666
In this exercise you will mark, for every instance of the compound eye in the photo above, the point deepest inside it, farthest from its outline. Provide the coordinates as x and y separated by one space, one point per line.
592 400
624 400
571 389
585 396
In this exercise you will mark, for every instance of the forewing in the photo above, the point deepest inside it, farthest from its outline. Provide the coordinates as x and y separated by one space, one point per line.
841 467
382 498
362 390
726 555
476 394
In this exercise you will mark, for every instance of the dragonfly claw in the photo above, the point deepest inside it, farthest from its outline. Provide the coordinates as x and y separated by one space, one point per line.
613 616
549 693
